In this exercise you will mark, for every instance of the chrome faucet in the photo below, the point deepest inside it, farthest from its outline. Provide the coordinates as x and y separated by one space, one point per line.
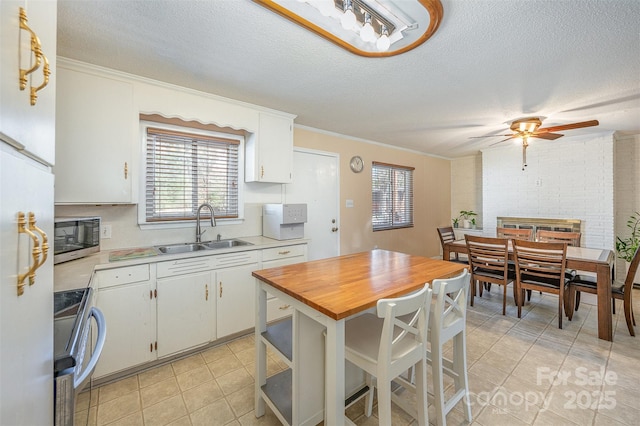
213 221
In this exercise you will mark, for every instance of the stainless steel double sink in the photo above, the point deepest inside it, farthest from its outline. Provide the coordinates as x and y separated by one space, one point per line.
208 245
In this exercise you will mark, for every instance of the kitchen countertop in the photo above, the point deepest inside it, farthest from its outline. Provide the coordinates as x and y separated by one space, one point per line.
77 273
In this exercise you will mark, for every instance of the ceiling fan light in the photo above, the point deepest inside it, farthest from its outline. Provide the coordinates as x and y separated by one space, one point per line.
348 20
383 43
367 33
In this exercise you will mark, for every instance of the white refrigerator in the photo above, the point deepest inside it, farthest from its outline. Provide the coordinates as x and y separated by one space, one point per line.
26 320
27 153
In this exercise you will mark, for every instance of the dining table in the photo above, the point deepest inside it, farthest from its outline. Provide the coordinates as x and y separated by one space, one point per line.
594 260
325 293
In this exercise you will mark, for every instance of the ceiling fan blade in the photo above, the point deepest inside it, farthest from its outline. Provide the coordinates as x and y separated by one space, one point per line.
568 126
488 136
504 140
548 136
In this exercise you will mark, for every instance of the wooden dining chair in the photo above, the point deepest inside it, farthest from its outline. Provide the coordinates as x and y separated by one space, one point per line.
447 235
488 263
619 290
389 344
525 234
541 267
571 238
514 233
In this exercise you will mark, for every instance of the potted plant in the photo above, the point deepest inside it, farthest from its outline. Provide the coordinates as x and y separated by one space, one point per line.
455 222
466 216
626 247
473 223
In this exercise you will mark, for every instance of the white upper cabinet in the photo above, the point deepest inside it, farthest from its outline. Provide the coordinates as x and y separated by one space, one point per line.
31 126
269 152
96 136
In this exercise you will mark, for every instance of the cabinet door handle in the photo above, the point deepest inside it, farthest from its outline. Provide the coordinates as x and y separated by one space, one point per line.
35 254
220 289
150 347
206 292
46 72
284 252
150 294
36 48
43 236
261 172
155 293
284 307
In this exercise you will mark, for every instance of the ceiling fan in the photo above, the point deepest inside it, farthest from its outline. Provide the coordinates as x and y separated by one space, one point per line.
526 128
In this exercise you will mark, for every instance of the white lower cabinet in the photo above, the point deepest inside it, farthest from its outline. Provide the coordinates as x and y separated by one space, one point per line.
125 297
236 300
185 306
162 309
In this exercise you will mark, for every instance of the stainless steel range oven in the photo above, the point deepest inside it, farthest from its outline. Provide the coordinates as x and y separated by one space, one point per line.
74 362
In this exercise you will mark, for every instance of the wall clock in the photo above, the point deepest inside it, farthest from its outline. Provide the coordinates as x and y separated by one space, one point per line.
356 164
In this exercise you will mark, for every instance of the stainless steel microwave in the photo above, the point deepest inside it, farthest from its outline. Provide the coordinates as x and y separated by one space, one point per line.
75 237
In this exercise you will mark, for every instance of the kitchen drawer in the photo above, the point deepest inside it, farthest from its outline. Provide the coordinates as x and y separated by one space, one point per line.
277 309
235 259
188 265
119 276
284 252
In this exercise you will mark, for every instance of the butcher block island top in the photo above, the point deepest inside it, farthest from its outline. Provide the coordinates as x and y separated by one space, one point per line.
345 285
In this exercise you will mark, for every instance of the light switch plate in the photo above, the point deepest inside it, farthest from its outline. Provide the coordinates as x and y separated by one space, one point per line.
105 231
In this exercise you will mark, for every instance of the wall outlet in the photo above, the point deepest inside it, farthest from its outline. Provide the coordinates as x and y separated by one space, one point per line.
105 231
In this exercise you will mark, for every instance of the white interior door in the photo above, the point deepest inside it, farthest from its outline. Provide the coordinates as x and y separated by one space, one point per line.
316 183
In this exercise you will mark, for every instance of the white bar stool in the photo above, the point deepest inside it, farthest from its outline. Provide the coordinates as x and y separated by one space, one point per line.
385 346
447 322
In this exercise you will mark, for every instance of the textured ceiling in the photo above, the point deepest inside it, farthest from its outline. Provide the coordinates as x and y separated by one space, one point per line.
490 62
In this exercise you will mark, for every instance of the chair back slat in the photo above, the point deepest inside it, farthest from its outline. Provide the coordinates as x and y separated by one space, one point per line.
514 233
571 238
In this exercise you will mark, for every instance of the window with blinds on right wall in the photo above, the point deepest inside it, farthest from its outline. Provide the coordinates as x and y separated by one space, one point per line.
392 196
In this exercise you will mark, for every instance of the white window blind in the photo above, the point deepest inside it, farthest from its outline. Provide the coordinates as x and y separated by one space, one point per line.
392 196
184 170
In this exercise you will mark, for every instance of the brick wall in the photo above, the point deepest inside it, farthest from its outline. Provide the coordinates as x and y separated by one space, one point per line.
571 178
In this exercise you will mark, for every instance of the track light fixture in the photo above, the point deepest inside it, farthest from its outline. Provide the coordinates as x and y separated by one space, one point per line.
373 28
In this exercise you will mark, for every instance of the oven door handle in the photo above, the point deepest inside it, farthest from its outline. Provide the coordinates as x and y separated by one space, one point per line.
102 335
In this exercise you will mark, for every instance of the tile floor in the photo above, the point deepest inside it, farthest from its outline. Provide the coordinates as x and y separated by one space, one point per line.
521 372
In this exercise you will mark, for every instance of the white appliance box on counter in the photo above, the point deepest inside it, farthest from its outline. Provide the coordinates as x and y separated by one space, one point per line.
283 221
